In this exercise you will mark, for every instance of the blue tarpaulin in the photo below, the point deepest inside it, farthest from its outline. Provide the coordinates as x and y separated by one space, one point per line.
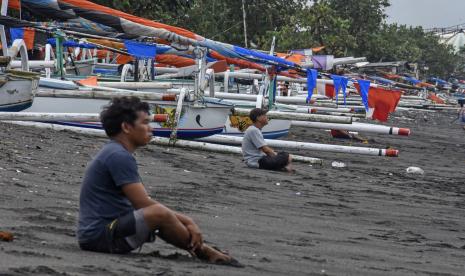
140 50
382 80
412 80
263 57
70 43
16 33
438 81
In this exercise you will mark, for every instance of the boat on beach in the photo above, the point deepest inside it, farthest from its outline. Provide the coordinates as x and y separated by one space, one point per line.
17 89
196 120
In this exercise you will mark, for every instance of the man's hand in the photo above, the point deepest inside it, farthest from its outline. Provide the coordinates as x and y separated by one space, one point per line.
268 151
196 237
194 231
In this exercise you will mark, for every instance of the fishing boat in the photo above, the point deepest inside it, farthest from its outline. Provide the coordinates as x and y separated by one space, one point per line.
17 88
196 120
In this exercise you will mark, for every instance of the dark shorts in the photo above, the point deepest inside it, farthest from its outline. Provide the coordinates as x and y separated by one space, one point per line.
274 163
122 235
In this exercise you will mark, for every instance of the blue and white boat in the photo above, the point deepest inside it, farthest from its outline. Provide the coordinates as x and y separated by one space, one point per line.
196 121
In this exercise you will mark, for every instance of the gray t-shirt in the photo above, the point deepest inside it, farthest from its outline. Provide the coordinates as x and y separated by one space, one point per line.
102 199
251 144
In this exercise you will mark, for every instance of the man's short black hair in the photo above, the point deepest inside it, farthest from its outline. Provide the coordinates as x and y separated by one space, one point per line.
123 109
461 102
256 112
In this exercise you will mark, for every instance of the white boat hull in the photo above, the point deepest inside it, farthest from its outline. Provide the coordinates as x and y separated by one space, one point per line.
195 122
17 94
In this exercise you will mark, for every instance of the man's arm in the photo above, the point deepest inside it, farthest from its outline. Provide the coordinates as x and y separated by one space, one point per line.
268 151
138 196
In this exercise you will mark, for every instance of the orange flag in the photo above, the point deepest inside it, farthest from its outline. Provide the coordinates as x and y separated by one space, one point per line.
92 81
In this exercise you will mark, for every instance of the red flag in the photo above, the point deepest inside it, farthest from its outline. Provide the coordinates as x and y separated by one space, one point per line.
14 4
330 91
383 101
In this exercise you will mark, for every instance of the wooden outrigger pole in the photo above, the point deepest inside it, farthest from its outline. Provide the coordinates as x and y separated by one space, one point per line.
355 126
307 146
94 94
298 116
164 141
68 117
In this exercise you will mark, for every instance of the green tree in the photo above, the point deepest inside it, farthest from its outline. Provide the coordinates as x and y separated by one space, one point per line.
161 10
315 25
364 19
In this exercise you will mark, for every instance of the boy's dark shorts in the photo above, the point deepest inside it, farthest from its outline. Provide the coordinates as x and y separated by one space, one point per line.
274 163
122 235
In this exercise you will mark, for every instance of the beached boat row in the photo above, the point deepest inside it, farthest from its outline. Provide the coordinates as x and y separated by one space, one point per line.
204 87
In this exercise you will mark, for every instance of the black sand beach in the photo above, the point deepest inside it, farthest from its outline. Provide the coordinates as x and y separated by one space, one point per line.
370 218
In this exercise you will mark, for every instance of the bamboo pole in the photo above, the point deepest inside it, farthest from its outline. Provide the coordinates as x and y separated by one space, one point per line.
316 109
298 116
307 146
137 85
34 64
86 94
68 117
371 128
279 99
162 141
251 76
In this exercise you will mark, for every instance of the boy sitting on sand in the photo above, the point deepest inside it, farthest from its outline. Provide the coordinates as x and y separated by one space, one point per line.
116 215
254 149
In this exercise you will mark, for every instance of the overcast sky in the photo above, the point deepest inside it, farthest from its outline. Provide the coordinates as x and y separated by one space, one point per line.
427 13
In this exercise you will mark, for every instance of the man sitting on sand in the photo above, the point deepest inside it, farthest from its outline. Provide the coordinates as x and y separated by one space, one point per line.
254 149
461 114
116 215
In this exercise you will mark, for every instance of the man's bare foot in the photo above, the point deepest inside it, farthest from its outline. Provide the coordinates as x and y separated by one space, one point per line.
289 169
211 255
